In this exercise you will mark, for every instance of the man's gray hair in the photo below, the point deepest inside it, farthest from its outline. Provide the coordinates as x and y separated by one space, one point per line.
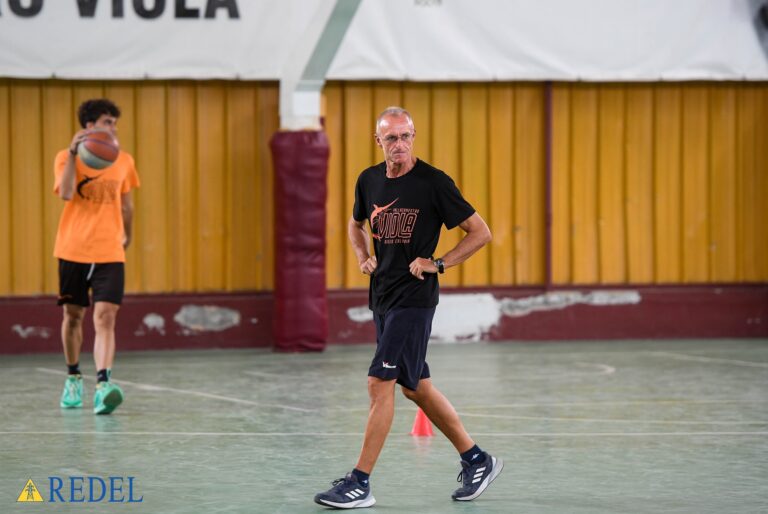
393 110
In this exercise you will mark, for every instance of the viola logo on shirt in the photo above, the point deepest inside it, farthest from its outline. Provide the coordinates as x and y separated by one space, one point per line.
103 191
391 225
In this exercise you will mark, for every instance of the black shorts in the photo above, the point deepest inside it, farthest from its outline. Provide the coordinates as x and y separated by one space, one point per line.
402 335
76 280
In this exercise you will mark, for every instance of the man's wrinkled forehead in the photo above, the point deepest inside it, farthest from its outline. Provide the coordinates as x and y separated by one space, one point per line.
393 120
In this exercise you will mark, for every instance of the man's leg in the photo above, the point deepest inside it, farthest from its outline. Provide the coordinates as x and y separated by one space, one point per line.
353 491
382 410
108 395
72 341
440 411
72 332
104 320
479 468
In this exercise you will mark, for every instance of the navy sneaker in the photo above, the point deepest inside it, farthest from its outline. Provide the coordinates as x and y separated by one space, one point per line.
346 493
477 477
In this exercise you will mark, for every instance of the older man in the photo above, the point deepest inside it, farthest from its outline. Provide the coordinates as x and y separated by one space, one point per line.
406 201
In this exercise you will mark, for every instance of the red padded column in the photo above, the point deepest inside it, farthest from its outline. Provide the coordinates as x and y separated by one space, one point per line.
300 320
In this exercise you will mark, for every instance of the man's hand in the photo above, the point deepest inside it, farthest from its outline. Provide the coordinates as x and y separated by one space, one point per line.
369 265
419 266
78 138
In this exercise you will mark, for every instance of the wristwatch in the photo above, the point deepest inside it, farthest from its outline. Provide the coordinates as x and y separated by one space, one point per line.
440 265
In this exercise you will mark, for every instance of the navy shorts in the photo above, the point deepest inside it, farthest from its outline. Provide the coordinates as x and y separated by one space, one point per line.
402 335
77 279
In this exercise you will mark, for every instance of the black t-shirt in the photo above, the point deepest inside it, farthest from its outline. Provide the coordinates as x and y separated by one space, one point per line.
405 215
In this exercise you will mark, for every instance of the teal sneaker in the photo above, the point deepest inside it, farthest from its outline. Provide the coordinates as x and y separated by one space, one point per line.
107 397
72 395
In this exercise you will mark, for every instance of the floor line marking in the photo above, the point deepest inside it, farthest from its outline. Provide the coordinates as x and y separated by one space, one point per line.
636 421
271 375
359 434
608 402
697 358
152 387
543 405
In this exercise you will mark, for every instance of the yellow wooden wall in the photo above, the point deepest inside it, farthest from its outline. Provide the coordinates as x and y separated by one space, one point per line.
203 216
652 183
660 183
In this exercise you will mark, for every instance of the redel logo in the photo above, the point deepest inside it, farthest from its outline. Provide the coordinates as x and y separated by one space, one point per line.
82 489
30 493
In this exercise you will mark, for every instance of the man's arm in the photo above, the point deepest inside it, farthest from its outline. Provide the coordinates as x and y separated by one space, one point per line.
127 208
478 235
67 184
358 236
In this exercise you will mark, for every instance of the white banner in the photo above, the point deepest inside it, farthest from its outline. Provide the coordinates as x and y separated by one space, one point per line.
197 39
622 40
422 40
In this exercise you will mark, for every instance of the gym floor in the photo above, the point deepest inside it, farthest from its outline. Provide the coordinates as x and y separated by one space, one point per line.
583 427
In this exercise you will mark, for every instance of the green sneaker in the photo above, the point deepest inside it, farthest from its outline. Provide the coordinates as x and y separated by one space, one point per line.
72 395
107 397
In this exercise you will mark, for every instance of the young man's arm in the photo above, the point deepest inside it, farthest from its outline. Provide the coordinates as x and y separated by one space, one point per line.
67 184
127 208
358 236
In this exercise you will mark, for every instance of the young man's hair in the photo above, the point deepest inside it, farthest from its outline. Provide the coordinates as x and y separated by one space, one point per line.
92 110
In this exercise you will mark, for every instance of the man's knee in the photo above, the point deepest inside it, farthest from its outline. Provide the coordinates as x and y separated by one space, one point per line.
73 315
378 387
422 391
105 315
410 394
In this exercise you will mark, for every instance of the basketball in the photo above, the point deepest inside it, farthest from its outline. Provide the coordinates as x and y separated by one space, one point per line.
98 150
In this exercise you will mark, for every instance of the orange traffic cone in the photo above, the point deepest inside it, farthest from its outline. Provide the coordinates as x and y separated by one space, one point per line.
421 425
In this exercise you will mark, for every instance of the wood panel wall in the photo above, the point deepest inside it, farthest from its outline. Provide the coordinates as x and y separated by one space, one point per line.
660 183
652 183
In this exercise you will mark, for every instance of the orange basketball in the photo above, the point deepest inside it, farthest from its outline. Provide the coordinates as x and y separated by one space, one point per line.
99 149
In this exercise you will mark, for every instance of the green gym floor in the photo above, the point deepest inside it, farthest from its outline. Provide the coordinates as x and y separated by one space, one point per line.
587 427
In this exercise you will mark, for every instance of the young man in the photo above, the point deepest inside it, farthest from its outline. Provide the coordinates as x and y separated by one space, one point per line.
94 231
406 201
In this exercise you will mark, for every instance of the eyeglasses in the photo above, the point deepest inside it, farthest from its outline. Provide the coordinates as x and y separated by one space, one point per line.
405 137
